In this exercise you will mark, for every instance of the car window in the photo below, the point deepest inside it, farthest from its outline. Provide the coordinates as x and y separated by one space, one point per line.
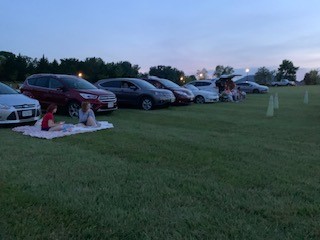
206 84
4 89
77 83
32 81
42 82
128 85
54 83
111 84
157 84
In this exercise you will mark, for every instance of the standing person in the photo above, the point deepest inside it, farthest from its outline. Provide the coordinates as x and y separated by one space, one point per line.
48 123
86 115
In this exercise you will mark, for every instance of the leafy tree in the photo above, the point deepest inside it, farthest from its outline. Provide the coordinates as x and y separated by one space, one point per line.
121 69
221 70
21 65
202 74
54 66
264 76
92 68
312 77
287 70
69 66
43 65
166 72
190 78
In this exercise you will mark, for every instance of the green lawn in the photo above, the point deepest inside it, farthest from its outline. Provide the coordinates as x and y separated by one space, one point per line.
216 171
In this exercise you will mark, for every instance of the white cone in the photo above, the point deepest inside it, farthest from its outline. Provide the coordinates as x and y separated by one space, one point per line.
276 101
306 98
270 110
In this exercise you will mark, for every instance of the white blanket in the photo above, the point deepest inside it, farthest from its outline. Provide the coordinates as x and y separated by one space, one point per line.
35 131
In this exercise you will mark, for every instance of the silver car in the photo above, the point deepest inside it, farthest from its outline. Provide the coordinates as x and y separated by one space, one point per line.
252 87
202 96
207 85
16 107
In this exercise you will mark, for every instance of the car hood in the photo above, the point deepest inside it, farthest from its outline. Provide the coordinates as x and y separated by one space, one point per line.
187 91
162 90
95 91
16 99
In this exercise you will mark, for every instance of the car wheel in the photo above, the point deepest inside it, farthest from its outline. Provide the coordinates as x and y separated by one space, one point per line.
276 85
255 91
73 109
199 100
146 103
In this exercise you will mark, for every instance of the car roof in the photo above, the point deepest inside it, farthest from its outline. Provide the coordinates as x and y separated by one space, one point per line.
51 75
226 76
205 80
120 79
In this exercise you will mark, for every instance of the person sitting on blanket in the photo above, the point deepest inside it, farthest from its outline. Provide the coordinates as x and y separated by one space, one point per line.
48 123
86 115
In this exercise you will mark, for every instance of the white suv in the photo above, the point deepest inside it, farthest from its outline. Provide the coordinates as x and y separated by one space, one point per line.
208 85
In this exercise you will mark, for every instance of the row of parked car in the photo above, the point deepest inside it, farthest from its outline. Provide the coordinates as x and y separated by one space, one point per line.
69 91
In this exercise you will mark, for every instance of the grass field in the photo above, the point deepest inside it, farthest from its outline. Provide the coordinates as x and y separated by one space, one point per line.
216 171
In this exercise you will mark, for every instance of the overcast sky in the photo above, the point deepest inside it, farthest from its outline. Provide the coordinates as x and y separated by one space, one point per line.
186 34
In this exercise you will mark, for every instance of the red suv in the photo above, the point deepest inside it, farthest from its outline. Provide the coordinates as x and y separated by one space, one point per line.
67 91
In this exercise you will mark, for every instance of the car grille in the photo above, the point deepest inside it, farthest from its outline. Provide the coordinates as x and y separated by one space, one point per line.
24 106
106 98
21 117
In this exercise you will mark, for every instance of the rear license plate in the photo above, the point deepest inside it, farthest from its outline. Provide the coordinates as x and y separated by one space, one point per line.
110 105
27 113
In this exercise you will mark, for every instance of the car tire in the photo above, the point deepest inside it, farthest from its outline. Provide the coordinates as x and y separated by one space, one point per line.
255 91
146 103
199 100
276 85
73 109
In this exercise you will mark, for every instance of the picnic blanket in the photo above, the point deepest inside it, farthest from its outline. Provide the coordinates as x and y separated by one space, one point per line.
35 131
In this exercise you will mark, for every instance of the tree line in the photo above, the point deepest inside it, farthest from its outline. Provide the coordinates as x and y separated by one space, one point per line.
286 70
16 68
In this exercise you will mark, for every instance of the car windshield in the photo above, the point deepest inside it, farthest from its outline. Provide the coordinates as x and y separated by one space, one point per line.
77 83
145 85
169 84
4 89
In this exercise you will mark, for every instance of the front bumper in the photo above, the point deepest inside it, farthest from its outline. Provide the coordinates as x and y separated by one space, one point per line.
105 107
12 115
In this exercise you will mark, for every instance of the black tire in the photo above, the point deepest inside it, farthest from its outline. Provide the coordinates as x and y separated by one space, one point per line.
199 100
146 103
73 109
255 91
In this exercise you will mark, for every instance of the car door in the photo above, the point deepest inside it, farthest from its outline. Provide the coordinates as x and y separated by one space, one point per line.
113 86
244 87
130 92
56 92
40 90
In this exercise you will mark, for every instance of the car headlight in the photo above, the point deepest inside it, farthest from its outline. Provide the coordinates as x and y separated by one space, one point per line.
88 96
4 106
